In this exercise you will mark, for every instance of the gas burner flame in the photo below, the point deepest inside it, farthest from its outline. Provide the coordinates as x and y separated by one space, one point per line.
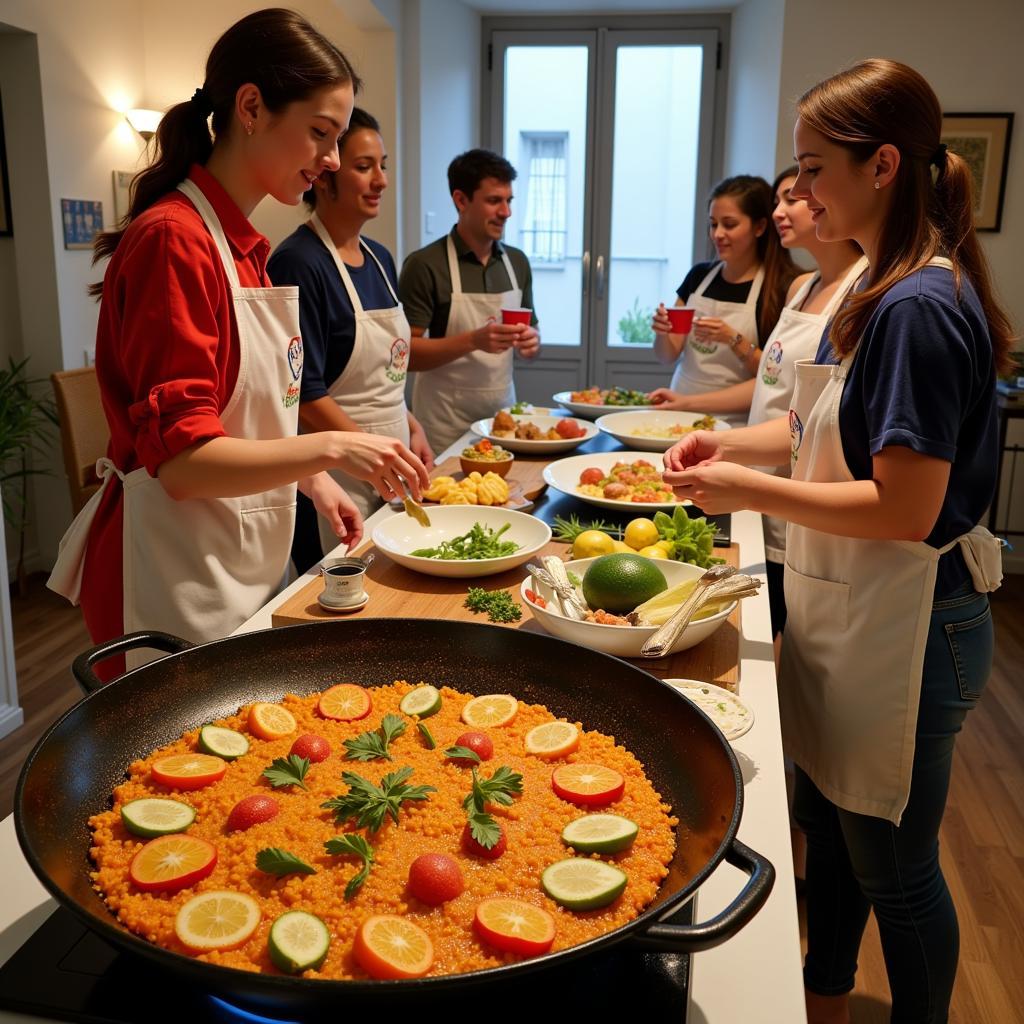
229 1012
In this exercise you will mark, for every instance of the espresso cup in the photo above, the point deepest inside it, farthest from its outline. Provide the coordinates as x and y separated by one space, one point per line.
681 318
516 315
343 581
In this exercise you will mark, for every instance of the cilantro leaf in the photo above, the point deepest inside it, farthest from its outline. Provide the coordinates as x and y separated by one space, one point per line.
370 804
352 845
289 771
275 861
373 745
500 788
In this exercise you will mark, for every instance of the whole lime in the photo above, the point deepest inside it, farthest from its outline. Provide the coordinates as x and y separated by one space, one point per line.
619 582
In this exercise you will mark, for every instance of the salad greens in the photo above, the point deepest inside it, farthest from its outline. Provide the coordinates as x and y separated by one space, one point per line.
480 542
692 539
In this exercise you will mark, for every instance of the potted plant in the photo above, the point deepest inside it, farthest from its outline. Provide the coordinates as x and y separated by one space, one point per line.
26 421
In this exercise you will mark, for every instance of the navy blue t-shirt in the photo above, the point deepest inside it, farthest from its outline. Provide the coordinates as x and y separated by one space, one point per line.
923 377
719 288
326 317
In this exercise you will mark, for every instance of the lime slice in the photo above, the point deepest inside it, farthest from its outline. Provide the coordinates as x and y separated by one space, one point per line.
600 833
581 884
423 702
298 942
225 743
154 816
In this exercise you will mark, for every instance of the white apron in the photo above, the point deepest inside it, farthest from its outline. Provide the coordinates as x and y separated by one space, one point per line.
708 366
371 389
796 336
447 400
198 568
858 618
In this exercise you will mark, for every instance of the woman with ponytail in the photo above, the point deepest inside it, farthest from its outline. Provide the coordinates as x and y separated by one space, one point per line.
199 357
893 445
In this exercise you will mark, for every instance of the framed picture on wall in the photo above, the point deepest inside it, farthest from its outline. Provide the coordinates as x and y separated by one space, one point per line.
983 140
6 224
122 193
83 218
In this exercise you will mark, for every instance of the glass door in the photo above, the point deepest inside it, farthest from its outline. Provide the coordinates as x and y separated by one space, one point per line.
610 132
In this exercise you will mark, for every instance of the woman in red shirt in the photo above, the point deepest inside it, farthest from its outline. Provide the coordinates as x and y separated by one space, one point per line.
199 358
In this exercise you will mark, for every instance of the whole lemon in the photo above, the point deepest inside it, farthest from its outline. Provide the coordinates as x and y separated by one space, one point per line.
665 545
622 546
641 533
653 551
591 543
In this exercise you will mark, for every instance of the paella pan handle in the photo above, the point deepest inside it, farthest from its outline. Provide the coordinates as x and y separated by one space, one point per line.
691 938
82 665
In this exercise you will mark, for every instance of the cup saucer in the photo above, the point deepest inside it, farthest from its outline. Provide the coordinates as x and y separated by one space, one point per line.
330 606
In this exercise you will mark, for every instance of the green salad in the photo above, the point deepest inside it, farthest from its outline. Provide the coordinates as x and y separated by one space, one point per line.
478 543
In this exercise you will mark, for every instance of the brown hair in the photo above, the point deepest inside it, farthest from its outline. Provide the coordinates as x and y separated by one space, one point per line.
275 49
756 199
882 101
361 120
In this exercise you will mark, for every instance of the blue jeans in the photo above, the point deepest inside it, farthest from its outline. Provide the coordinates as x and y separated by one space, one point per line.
856 862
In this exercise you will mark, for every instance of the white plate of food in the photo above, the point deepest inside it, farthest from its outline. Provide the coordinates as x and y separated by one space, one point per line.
622 640
637 489
593 402
656 431
568 433
400 536
722 706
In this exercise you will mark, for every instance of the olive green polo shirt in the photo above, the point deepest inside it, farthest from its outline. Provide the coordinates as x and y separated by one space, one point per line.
425 286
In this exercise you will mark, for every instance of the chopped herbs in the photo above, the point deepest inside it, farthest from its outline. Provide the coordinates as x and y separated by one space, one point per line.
287 771
352 846
373 745
568 530
275 861
427 738
369 804
462 754
497 603
500 788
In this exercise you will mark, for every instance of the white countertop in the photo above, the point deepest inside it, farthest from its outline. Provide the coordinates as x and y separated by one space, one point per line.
754 976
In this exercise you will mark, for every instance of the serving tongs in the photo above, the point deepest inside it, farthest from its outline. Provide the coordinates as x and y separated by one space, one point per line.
555 576
718 582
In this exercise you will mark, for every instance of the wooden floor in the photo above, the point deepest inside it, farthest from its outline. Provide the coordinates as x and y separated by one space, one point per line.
982 834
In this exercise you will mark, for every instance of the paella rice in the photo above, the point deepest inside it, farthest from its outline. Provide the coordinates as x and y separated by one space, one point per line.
533 825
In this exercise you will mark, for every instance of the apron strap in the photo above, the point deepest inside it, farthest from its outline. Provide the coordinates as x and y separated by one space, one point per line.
453 267
708 278
212 222
343 271
852 276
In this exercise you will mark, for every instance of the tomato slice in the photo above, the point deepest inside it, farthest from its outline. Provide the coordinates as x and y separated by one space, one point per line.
169 863
514 926
188 771
345 702
587 784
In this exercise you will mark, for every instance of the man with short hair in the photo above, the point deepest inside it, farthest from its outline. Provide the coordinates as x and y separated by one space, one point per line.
453 291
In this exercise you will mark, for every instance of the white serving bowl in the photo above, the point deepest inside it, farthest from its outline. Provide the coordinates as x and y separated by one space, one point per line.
564 476
483 428
623 641
400 535
621 425
588 411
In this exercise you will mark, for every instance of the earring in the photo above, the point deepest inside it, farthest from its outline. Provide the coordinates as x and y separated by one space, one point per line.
878 184
250 128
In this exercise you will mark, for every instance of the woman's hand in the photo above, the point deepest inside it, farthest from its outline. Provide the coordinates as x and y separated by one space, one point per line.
384 461
671 400
713 329
334 504
695 448
716 487
660 322
419 444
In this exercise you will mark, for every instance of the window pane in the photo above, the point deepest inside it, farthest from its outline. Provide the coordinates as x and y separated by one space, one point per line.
545 139
657 119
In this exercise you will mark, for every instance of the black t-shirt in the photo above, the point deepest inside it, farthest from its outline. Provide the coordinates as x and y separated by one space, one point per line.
326 317
719 289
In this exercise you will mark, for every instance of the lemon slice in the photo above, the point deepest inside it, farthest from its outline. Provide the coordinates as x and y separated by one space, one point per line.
552 739
217 920
492 709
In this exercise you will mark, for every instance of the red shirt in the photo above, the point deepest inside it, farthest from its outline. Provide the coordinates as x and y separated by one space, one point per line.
167 356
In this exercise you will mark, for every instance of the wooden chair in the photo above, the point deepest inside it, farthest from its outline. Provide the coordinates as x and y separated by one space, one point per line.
83 430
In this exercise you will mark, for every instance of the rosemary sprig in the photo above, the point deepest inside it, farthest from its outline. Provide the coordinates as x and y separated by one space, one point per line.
567 530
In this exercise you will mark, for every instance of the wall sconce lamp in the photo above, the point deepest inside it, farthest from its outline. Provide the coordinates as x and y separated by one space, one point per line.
144 121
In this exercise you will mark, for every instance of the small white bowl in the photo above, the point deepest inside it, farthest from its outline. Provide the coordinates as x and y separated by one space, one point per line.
722 706
623 641
483 428
400 535
621 425
589 411
564 476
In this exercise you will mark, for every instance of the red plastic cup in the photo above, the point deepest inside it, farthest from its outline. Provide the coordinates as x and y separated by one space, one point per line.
516 315
681 319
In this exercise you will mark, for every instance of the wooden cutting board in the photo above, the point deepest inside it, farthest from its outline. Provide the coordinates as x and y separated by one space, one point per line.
397 592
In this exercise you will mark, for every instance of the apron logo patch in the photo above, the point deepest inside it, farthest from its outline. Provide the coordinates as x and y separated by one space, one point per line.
796 435
295 357
291 396
709 348
772 363
398 360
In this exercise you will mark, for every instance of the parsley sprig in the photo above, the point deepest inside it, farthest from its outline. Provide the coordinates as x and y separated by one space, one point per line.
372 745
462 754
275 861
352 845
369 804
499 789
287 771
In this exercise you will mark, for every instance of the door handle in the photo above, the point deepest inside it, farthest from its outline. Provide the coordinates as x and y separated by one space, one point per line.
586 272
600 278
